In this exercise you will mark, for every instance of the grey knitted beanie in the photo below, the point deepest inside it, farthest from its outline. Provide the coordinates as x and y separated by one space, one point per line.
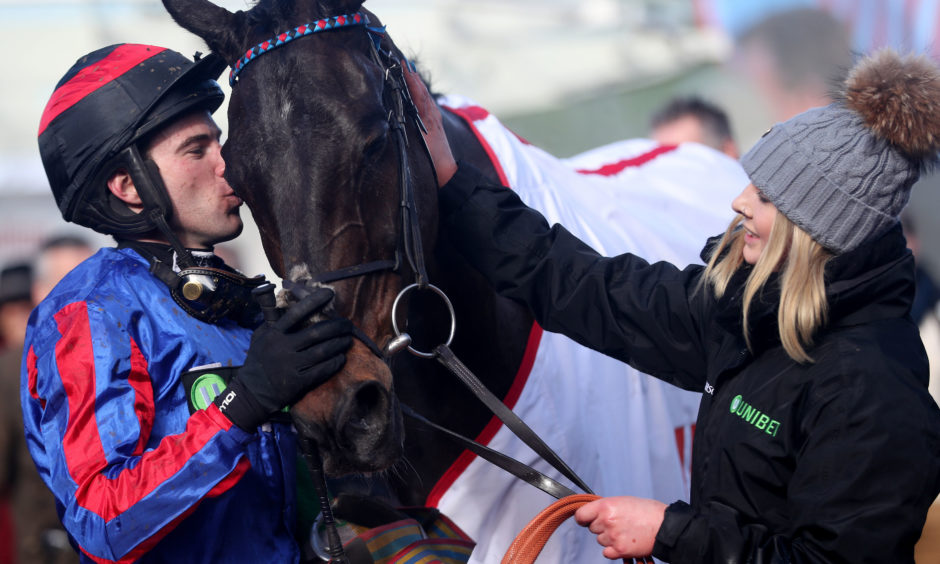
843 172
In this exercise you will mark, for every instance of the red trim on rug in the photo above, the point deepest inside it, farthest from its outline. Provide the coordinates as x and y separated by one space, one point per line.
612 169
471 114
485 436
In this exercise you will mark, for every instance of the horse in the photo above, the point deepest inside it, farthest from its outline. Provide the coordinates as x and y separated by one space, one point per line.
344 195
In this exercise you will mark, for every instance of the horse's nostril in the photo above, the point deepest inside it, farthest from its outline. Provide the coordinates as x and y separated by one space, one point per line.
367 410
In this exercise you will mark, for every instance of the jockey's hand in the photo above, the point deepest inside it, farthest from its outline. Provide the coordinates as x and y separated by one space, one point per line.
444 163
286 358
625 526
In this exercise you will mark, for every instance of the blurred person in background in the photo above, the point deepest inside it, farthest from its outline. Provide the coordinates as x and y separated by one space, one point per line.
15 305
58 255
794 58
40 537
924 310
691 118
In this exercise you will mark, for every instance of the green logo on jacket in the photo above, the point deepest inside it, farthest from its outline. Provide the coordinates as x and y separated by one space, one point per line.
205 389
754 416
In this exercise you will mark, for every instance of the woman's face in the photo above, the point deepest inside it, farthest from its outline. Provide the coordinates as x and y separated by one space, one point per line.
759 215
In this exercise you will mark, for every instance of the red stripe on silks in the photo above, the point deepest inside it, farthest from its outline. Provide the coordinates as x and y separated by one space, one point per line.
471 114
512 396
139 379
93 77
109 497
81 444
143 548
31 379
618 167
75 361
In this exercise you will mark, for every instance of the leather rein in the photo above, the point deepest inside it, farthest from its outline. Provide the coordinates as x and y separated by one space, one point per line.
400 110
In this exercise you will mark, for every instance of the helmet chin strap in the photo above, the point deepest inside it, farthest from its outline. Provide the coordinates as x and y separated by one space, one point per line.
184 257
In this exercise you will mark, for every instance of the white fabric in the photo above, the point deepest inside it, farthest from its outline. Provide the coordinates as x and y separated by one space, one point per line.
612 424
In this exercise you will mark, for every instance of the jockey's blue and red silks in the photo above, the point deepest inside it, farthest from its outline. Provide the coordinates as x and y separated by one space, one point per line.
135 476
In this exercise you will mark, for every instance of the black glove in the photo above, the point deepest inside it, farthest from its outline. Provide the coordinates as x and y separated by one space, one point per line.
286 359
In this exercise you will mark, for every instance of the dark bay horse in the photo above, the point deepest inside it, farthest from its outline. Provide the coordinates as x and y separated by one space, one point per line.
311 152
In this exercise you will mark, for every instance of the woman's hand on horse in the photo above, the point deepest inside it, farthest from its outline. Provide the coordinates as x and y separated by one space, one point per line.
286 358
625 526
444 163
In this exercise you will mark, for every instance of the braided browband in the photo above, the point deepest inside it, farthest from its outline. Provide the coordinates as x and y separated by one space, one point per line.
326 24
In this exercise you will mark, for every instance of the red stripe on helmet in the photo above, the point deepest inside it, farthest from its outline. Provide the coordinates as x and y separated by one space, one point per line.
93 77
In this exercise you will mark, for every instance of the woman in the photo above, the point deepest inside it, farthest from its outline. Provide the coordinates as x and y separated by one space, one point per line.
816 437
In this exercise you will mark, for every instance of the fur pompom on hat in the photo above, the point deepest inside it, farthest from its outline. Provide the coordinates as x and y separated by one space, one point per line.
844 172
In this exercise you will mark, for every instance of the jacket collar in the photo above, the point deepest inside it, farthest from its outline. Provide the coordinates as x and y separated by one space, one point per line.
873 281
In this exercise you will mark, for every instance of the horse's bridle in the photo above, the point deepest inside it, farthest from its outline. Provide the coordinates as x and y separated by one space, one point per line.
400 109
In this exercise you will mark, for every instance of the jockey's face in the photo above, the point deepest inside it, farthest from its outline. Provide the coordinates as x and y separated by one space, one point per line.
759 215
205 208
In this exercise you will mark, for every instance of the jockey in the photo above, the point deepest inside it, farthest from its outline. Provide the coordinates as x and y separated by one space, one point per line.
125 359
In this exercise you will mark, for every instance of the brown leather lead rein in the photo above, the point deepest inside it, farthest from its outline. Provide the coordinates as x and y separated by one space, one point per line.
530 541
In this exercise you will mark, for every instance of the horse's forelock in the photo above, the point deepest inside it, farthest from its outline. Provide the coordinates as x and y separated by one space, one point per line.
286 11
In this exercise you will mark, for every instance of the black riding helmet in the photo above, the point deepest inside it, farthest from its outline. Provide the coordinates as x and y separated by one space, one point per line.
102 108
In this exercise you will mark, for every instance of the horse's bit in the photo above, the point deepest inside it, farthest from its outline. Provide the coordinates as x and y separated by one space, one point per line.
401 108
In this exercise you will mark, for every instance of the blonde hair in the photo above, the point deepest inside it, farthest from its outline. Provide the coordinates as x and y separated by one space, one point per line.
801 262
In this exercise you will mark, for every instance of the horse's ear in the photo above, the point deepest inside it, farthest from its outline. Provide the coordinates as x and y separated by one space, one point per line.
214 24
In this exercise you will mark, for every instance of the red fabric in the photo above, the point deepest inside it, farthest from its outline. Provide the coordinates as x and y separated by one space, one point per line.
618 167
109 497
31 375
139 379
243 466
93 77
471 114
466 457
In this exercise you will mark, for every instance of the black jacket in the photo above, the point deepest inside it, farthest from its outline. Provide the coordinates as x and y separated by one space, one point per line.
832 461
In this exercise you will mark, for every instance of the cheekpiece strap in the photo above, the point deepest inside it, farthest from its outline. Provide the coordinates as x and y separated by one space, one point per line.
325 24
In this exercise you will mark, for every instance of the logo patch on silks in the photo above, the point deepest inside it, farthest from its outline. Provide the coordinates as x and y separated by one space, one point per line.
204 383
205 389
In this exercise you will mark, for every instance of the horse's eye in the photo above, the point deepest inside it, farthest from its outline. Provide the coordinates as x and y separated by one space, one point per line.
376 145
